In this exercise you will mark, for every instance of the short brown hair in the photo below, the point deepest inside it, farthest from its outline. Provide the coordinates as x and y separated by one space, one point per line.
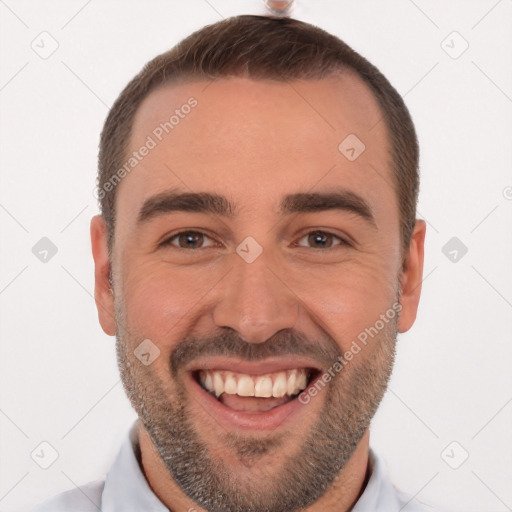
261 47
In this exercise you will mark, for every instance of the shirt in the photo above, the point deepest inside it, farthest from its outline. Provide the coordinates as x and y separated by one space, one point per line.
125 489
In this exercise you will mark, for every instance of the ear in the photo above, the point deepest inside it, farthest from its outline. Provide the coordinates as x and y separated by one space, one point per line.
411 277
102 289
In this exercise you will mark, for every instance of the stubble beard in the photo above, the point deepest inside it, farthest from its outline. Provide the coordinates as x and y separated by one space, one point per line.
303 477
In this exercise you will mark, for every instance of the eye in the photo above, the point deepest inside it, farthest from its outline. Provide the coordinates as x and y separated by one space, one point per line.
321 240
188 240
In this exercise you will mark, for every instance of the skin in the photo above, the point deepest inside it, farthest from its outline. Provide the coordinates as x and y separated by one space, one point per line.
255 142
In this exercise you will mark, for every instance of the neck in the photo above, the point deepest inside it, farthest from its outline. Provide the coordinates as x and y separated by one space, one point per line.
340 497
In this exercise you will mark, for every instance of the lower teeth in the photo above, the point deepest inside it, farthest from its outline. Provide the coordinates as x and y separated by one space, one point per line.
289 397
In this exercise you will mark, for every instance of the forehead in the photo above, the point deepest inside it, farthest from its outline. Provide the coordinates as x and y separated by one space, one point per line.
256 140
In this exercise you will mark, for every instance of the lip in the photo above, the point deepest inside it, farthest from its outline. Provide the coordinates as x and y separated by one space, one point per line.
269 365
263 421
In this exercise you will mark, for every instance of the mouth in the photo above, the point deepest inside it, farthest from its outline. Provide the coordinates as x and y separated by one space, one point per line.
252 397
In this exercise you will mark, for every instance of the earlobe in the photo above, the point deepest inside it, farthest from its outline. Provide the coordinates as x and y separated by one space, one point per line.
102 287
411 277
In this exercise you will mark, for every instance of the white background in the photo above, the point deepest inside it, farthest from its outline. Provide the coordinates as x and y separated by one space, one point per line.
58 375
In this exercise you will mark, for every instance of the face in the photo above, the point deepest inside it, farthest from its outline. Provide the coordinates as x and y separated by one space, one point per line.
263 268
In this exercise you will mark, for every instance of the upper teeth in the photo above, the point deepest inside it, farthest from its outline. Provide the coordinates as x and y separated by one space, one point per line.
289 382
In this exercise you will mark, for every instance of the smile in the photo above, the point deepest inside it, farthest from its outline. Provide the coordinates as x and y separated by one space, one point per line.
277 385
252 398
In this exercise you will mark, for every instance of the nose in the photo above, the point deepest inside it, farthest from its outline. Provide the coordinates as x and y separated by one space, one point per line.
255 301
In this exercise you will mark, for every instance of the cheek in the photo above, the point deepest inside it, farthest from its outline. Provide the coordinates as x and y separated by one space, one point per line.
348 300
159 301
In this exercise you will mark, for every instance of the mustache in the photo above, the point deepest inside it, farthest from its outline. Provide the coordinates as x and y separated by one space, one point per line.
227 342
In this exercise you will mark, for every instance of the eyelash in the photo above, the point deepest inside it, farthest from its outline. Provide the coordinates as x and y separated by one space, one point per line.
168 241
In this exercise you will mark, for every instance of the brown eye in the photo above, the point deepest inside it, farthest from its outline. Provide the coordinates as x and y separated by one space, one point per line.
187 240
321 240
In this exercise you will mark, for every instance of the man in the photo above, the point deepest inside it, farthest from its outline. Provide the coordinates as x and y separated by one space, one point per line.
257 254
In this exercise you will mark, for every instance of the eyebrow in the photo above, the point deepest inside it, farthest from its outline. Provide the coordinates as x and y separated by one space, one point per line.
171 201
344 200
204 202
